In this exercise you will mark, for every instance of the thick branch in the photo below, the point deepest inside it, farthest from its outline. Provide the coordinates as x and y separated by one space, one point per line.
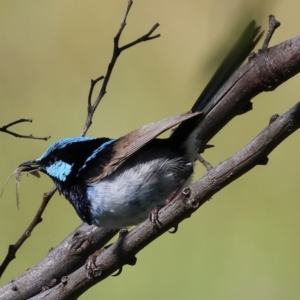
264 72
66 257
218 177
181 208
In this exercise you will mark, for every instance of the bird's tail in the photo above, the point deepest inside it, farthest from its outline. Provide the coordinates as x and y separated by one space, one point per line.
208 99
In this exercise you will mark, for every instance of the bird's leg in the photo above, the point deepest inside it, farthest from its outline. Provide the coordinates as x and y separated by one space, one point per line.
205 163
92 270
153 215
122 234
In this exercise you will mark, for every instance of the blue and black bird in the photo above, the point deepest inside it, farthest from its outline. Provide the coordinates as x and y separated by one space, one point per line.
116 183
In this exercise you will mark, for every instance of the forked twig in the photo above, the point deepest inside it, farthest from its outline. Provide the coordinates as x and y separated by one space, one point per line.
117 50
30 136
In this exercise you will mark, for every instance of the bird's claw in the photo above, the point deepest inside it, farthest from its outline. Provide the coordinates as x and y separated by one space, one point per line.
174 229
92 270
153 217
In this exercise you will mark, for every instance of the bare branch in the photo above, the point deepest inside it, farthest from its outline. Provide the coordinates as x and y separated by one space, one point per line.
252 78
12 249
67 257
30 136
93 83
265 71
62 274
116 53
144 38
273 24
181 208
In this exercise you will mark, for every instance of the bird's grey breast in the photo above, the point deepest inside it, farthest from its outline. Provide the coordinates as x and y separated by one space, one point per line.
126 197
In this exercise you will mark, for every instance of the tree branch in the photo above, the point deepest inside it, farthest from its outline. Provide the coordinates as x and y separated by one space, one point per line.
265 71
181 208
30 136
12 249
273 24
117 50
62 275
254 77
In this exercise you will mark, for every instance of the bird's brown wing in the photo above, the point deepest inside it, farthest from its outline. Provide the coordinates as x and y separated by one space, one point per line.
128 144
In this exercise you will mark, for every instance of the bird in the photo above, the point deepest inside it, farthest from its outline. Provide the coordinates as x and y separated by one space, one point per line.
116 183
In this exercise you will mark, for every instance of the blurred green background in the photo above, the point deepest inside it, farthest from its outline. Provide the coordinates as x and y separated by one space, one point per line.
244 243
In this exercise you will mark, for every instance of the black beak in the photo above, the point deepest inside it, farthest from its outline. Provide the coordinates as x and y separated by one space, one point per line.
29 166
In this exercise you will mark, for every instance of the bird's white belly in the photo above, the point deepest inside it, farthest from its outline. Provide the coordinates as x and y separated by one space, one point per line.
126 198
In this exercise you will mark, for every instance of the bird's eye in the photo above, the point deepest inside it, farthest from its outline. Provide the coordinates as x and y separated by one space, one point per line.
52 160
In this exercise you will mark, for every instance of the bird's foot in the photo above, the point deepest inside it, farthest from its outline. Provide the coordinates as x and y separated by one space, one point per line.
92 270
153 217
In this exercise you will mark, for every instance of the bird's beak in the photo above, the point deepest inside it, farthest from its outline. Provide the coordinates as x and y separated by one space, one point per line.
32 167
29 166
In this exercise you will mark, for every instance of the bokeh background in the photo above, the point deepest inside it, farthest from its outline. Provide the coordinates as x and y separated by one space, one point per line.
244 243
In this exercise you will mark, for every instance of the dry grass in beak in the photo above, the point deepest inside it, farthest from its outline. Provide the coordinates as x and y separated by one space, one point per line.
18 174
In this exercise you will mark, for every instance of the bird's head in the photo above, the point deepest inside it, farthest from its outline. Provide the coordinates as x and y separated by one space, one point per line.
65 159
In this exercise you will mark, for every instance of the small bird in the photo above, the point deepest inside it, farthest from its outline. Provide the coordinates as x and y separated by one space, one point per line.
116 183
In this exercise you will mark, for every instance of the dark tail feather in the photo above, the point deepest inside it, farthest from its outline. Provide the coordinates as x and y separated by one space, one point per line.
233 60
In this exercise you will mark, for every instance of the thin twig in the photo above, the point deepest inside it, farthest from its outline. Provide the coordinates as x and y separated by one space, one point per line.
93 83
117 50
30 136
12 249
143 38
273 25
